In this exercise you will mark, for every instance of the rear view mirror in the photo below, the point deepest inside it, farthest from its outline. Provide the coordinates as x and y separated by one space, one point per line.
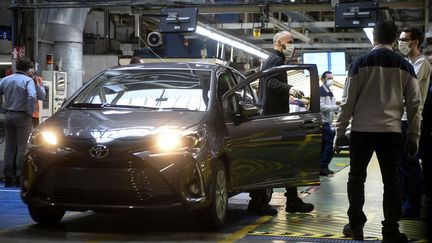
249 109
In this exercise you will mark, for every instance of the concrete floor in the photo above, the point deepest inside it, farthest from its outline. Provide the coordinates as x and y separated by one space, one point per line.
324 224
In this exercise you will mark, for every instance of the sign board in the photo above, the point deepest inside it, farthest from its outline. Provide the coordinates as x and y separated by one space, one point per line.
356 14
18 51
178 20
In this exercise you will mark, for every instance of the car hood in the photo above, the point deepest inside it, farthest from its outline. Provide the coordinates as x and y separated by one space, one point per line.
105 125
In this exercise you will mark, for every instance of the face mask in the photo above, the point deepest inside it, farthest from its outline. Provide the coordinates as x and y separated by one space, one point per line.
404 47
288 50
329 82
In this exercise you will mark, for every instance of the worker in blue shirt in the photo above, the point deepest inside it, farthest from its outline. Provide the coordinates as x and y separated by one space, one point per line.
19 93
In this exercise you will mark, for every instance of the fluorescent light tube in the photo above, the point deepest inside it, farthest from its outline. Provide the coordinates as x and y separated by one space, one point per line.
229 41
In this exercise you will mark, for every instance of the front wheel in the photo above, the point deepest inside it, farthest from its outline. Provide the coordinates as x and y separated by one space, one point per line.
215 215
46 215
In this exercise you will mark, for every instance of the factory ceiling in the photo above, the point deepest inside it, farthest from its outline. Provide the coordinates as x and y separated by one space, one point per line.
312 20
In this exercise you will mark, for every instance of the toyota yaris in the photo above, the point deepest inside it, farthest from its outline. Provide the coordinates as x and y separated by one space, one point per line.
169 135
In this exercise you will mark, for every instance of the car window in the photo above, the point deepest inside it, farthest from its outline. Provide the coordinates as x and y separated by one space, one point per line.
224 83
156 89
247 94
304 94
300 80
301 91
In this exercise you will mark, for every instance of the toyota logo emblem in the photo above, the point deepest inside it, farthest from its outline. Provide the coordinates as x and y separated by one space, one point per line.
99 151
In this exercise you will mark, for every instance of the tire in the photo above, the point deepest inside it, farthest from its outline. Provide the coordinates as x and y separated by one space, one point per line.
45 215
214 216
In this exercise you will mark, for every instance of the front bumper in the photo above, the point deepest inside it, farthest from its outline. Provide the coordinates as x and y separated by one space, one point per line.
141 182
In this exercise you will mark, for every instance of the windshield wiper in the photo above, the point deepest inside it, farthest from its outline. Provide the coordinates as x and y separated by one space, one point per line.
108 105
130 106
86 105
176 109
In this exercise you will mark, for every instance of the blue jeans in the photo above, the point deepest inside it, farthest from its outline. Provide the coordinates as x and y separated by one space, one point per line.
327 152
18 126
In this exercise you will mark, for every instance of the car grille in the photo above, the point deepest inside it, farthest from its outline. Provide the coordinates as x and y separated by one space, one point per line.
109 198
126 186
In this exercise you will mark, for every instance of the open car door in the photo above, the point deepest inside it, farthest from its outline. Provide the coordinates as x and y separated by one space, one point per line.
275 150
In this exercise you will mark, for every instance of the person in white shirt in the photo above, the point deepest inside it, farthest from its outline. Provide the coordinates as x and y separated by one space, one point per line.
328 108
410 42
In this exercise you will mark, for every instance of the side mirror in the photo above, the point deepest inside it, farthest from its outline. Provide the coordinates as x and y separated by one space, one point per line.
249 109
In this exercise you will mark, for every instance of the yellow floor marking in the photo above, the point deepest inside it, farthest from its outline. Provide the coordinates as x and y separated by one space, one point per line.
341 164
242 232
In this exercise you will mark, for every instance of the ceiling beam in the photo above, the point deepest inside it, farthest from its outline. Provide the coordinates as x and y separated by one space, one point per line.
250 25
285 7
297 25
323 45
337 35
283 26
208 8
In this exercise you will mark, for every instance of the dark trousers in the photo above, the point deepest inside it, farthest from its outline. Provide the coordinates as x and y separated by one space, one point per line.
18 126
411 174
387 147
425 153
327 152
264 196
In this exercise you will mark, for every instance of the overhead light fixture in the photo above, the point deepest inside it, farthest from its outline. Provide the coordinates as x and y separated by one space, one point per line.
231 40
369 34
5 63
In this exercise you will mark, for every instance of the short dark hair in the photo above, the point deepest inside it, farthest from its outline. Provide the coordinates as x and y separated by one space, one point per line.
134 60
416 33
324 75
23 64
385 32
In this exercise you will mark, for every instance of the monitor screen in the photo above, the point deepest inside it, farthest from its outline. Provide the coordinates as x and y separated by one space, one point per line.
178 20
326 61
356 14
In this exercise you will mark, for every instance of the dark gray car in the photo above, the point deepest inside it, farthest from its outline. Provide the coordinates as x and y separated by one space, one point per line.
169 135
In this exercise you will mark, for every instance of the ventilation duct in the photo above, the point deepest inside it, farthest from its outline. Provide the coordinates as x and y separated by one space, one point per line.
61 33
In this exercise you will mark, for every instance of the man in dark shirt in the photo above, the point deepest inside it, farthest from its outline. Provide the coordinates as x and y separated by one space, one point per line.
273 94
273 90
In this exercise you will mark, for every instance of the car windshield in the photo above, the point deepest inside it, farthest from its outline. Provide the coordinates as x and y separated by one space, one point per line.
160 90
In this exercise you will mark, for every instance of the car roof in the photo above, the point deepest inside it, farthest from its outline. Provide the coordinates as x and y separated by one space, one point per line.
168 65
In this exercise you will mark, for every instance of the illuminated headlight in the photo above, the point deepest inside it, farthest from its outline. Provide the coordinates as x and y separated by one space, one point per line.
174 142
49 137
39 138
168 142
